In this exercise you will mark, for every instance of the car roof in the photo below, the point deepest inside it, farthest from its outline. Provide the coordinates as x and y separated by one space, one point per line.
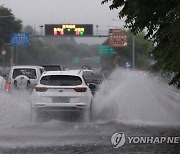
93 74
51 65
69 72
26 66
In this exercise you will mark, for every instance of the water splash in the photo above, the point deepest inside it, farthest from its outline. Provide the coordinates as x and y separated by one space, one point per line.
15 108
136 97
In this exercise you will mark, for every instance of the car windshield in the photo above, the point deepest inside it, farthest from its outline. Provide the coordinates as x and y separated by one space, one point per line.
90 77
29 72
61 80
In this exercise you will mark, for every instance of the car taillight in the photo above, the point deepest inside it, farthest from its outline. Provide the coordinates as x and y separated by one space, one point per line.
80 89
7 87
41 89
81 105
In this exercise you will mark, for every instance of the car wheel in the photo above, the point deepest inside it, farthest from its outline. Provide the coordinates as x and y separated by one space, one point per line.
22 82
87 115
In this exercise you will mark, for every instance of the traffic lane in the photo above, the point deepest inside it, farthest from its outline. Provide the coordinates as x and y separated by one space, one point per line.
95 149
95 137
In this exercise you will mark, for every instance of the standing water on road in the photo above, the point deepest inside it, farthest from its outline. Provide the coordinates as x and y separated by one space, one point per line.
130 97
134 97
129 102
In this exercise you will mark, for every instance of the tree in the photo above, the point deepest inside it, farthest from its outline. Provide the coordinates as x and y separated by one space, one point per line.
29 29
8 24
161 21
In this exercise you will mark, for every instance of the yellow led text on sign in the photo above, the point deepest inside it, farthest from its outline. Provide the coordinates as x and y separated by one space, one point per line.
68 28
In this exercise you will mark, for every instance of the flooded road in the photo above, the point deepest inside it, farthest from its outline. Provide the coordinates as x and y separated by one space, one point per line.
135 103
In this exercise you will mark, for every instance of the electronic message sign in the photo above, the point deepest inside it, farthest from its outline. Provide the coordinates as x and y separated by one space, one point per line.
69 29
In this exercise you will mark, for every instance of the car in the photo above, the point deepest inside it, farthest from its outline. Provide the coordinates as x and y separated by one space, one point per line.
23 77
93 78
53 67
86 67
106 72
59 93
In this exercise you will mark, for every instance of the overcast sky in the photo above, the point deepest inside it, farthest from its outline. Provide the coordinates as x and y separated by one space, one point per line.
41 12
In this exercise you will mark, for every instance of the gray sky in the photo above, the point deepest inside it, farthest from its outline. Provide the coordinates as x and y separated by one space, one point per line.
40 12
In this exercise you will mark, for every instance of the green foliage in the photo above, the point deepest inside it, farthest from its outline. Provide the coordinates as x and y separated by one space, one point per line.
29 29
8 24
161 20
37 53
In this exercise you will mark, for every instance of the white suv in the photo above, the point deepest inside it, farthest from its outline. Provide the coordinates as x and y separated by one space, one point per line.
61 92
23 77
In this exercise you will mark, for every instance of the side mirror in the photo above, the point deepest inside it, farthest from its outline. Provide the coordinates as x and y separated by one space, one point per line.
92 86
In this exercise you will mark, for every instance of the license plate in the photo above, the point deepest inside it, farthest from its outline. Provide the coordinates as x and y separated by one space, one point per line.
60 100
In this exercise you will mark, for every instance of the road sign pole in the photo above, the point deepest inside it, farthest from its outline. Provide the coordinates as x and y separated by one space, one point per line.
16 48
12 56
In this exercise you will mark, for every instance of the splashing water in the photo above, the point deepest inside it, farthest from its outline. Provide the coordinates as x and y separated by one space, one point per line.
14 108
135 97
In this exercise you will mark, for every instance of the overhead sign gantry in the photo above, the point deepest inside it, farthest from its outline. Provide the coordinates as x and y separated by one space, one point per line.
69 29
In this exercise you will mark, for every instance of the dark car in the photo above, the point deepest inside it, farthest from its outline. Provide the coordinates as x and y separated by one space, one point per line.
95 78
106 72
53 67
88 67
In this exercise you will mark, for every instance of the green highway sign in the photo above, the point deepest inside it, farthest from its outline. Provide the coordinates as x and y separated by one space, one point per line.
75 60
94 60
105 50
